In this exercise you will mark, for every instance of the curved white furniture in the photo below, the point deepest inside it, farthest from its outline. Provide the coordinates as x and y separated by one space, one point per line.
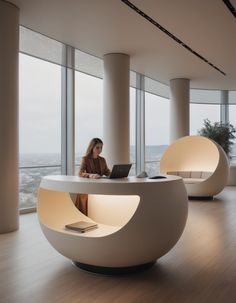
139 219
201 162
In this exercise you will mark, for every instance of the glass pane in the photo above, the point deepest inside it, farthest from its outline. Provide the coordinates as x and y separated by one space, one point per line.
88 64
199 112
157 88
88 112
232 97
39 124
41 46
205 96
29 183
156 130
132 77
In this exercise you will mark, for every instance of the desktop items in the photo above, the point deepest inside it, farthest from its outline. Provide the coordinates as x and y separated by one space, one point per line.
143 174
157 177
81 226
120 171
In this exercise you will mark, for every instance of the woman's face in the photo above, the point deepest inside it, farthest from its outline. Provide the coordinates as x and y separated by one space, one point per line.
97 149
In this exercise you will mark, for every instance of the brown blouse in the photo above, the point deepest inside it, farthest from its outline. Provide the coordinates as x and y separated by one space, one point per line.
97 165
89 165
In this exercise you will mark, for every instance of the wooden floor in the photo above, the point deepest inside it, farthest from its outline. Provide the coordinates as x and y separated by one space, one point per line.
200 268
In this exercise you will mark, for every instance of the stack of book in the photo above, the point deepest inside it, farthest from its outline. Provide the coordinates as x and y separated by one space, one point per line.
81 226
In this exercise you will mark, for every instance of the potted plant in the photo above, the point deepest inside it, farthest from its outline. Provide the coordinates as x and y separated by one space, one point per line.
222 133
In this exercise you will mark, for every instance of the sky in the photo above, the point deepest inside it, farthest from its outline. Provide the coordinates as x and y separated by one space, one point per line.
40 110
39 106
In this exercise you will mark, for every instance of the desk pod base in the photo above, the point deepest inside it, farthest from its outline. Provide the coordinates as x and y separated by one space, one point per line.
139 220
201 198
113 270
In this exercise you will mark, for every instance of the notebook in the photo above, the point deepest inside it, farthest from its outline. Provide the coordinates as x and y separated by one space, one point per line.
81 226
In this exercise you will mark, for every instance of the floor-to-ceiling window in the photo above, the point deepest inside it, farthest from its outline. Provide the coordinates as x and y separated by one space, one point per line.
199 112
204 104
88 112
156 130
39 124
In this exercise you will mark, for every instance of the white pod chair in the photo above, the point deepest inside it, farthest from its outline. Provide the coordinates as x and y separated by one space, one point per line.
139 220
201 162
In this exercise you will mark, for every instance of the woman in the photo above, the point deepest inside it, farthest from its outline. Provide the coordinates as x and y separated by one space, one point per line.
92 166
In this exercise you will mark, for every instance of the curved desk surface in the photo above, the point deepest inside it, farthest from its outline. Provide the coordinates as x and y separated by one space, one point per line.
139 220
74 184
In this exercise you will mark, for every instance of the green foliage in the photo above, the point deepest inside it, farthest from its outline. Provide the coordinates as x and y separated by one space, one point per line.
222 133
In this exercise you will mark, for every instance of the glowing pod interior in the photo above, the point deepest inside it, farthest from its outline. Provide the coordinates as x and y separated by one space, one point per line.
201 162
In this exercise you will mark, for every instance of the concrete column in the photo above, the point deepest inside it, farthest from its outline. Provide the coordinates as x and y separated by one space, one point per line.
116 109
9 49
179 108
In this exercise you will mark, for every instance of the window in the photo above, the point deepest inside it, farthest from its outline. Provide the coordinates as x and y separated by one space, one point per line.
199 112
39 124
156 131
88 112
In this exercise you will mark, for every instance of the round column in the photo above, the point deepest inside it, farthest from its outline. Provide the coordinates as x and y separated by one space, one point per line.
116 108
9 52
179 108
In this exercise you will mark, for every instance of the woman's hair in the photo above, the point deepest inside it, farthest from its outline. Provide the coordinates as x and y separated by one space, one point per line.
91 146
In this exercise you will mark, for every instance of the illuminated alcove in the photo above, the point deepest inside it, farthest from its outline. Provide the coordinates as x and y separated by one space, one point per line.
201 163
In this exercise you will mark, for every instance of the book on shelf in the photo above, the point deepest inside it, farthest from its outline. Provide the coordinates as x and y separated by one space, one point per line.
81 226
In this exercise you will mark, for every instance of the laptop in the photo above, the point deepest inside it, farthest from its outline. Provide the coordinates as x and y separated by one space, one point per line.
119 171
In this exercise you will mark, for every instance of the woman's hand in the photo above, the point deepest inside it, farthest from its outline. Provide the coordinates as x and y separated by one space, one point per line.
94 176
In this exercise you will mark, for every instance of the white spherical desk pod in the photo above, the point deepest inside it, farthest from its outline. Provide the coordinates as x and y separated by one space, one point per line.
139 220
201 162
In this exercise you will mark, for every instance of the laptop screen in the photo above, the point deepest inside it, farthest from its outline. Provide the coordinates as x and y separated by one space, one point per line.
120 171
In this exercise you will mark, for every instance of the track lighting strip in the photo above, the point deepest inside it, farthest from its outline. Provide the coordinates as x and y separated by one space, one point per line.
148 18
230 7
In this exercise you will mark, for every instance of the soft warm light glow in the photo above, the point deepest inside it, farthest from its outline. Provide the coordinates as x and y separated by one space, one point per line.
114 210
192 153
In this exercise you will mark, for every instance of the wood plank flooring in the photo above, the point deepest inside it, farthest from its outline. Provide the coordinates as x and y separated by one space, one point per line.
201 268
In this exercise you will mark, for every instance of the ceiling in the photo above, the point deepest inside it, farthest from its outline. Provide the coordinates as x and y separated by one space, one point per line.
105 26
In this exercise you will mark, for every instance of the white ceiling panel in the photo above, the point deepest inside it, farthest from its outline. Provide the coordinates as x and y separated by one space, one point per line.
104 26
